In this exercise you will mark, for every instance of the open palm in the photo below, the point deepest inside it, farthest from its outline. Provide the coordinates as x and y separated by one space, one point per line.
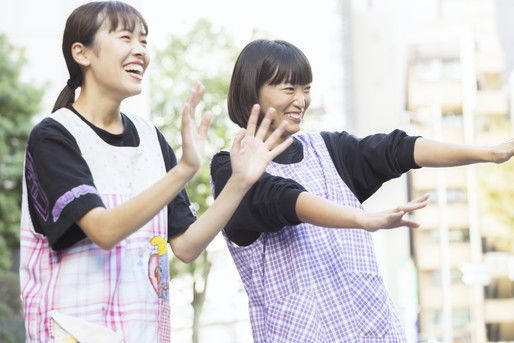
251 152
193 140
394 218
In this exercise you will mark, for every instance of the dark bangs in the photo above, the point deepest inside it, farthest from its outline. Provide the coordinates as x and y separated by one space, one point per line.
285 63
264 62
120 14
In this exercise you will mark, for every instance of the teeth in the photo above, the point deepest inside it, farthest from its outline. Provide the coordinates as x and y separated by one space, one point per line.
134 67
294 115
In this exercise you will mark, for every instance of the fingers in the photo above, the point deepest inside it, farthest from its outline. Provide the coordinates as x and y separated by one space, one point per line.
186 117
510 150
421 198
194 97
204 125
196 94
188 112
236 144
276 134
265 123
412 206
395 216
409 223
281 147
396 220
385 220
252 120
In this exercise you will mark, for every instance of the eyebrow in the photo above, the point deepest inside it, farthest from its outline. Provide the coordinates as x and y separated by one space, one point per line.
141 33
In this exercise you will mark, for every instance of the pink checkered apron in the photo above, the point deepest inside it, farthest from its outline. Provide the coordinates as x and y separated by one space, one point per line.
124 289
312 284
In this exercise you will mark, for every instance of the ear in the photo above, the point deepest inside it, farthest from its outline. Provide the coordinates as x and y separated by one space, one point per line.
79 54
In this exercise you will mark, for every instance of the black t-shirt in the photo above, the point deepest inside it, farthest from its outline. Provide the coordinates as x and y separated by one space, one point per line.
363 164
55 168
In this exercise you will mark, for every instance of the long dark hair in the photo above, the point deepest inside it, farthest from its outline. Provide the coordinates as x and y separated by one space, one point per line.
264 62
82 26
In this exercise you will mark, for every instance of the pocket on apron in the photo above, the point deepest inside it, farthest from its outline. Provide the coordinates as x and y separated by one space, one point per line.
370 304
68 329
294 319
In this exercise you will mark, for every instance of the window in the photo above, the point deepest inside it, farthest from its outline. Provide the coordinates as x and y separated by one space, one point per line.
453 196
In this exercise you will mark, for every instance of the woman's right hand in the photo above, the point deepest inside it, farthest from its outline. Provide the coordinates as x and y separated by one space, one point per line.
251 151
193 140
393 218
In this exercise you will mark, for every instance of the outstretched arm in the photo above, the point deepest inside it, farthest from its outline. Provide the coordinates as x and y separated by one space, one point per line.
430 153
107 227
249 157
323 212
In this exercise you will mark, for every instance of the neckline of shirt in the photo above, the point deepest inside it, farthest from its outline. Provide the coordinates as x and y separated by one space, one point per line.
293 154
128 138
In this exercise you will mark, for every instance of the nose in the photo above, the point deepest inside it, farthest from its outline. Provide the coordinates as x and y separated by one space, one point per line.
139 49
299 100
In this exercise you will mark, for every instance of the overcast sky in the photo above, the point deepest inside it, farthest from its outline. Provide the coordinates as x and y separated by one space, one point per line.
315 27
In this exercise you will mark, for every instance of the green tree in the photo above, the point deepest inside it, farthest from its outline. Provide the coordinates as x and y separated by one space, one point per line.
207 55
19 101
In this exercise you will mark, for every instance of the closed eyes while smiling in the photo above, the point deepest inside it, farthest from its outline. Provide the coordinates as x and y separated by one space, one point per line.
127 37
291 89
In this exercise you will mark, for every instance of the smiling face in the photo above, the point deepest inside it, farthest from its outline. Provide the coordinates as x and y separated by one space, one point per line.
273 74
290 101
117 62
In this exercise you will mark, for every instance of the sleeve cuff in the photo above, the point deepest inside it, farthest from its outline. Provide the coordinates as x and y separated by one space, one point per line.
64 232
406 155
179 219
288 207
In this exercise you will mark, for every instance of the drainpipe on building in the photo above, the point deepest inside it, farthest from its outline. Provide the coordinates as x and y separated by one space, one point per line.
444 240
469 94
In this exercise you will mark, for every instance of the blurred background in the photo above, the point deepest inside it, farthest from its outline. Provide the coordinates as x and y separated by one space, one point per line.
437 68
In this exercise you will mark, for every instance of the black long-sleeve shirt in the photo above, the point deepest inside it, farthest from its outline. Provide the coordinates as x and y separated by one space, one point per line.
364 164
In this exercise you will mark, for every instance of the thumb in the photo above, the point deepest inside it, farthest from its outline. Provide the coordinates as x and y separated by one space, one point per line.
236 144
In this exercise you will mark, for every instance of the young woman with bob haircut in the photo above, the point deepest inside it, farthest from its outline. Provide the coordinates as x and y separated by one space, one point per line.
300 238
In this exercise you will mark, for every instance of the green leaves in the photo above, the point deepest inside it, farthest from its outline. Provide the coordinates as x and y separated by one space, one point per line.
19 101
204 54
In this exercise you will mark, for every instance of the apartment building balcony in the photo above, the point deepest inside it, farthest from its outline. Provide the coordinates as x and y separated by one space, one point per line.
429 257
499 310
432 297
430 217
491 103
425 179
422 95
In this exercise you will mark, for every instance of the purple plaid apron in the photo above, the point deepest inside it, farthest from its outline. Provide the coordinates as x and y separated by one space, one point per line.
312 284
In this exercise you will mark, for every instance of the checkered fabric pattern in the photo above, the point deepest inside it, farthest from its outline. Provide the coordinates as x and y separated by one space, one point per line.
111 288
312 284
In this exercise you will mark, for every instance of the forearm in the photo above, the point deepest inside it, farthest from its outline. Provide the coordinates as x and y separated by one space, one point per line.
190 244
107 227
322 212
430 153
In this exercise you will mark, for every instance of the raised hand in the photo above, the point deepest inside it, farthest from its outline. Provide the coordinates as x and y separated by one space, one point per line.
393 218
193 140
502 152
251 151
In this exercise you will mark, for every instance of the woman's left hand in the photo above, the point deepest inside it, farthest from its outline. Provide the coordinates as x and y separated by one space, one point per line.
193 140
502 152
